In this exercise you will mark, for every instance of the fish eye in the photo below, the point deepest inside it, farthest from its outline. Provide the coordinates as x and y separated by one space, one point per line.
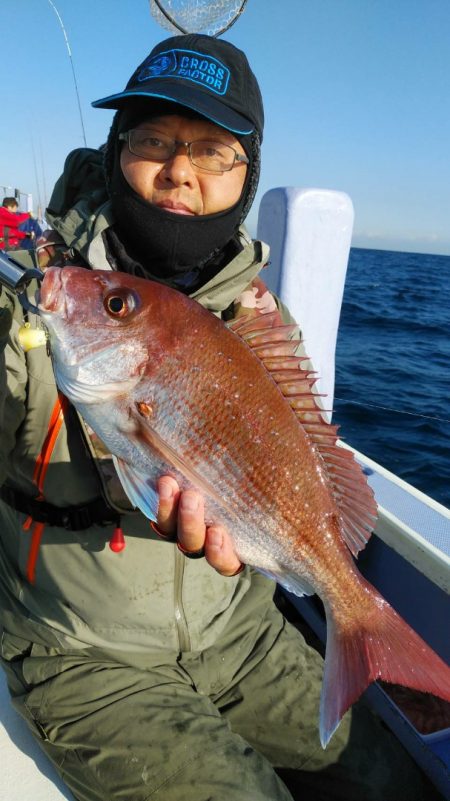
119 304
116 305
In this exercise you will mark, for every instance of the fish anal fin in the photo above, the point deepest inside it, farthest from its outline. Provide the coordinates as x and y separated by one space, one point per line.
383 647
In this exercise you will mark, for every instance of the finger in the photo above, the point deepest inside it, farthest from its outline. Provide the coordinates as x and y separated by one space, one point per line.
169 494
191 521
219 551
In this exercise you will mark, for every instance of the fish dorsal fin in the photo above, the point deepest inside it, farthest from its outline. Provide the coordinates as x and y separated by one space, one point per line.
271 342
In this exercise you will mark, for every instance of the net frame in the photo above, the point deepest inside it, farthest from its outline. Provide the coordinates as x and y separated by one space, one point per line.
197 16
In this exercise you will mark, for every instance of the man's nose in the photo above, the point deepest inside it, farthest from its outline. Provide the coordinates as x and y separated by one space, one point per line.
179 167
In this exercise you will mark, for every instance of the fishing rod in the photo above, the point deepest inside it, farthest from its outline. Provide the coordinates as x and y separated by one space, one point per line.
16 278
69 51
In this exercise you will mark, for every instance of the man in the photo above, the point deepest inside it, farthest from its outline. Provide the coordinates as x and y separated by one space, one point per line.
11 237
149 671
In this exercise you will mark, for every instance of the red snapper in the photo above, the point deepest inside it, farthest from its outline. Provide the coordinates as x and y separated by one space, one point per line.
171 390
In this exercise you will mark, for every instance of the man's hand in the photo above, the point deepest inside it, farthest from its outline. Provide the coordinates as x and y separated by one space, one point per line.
183 512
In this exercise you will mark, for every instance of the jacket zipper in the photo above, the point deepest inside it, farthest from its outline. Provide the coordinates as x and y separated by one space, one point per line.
180 615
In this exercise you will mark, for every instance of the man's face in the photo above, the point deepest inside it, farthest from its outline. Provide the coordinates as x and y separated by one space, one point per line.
176 185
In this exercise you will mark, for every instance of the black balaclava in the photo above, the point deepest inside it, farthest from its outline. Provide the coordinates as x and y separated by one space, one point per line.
146 240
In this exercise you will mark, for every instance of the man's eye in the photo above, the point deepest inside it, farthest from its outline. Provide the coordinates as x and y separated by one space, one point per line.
212 150
151 141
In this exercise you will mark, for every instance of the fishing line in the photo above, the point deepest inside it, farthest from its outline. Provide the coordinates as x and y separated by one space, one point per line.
36 174
390 409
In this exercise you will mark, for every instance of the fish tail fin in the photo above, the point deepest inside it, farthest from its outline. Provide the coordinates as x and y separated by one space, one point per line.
383 647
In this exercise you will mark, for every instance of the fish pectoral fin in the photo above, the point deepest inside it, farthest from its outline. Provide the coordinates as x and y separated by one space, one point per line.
145 432
139 488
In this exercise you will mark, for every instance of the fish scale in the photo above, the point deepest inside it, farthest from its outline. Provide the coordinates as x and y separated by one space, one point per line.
184 395
256 481
213 421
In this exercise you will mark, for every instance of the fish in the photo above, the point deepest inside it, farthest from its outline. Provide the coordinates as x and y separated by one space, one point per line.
231 411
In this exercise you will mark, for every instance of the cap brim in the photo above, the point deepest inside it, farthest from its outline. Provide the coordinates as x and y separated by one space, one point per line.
205 105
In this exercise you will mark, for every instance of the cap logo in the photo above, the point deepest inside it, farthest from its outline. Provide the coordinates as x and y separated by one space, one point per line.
189 65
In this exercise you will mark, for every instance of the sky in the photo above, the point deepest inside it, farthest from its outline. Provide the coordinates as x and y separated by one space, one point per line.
356 94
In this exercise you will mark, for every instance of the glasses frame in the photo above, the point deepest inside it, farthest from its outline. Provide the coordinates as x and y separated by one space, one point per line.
238 157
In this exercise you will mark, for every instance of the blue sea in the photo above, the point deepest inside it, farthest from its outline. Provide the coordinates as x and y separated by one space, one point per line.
392 391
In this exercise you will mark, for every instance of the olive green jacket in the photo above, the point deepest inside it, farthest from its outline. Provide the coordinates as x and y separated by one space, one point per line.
149 597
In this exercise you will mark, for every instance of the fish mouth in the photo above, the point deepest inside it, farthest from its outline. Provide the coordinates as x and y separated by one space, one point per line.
51 294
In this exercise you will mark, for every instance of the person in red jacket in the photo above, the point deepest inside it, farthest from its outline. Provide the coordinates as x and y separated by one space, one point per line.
10 219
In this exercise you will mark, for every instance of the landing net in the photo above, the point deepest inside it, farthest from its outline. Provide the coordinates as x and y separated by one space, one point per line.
197 16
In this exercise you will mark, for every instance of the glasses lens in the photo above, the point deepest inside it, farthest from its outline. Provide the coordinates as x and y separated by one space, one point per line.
151 144
207 155
212 156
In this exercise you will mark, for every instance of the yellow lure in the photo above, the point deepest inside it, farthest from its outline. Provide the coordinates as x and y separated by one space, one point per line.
30 338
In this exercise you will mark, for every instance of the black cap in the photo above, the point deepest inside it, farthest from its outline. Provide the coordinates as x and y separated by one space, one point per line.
208 75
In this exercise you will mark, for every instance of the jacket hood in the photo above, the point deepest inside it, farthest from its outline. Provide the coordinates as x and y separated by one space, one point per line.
80 211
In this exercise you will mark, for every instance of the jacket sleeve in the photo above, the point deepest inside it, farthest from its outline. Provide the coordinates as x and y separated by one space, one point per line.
13 220
13 378
286 316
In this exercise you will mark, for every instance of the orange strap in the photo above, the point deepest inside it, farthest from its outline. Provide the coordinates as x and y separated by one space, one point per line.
54 426
40 471
36 536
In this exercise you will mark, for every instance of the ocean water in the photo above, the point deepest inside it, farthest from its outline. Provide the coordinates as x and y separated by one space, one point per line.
392 391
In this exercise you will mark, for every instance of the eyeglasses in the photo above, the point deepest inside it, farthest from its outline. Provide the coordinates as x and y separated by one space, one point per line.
148 143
